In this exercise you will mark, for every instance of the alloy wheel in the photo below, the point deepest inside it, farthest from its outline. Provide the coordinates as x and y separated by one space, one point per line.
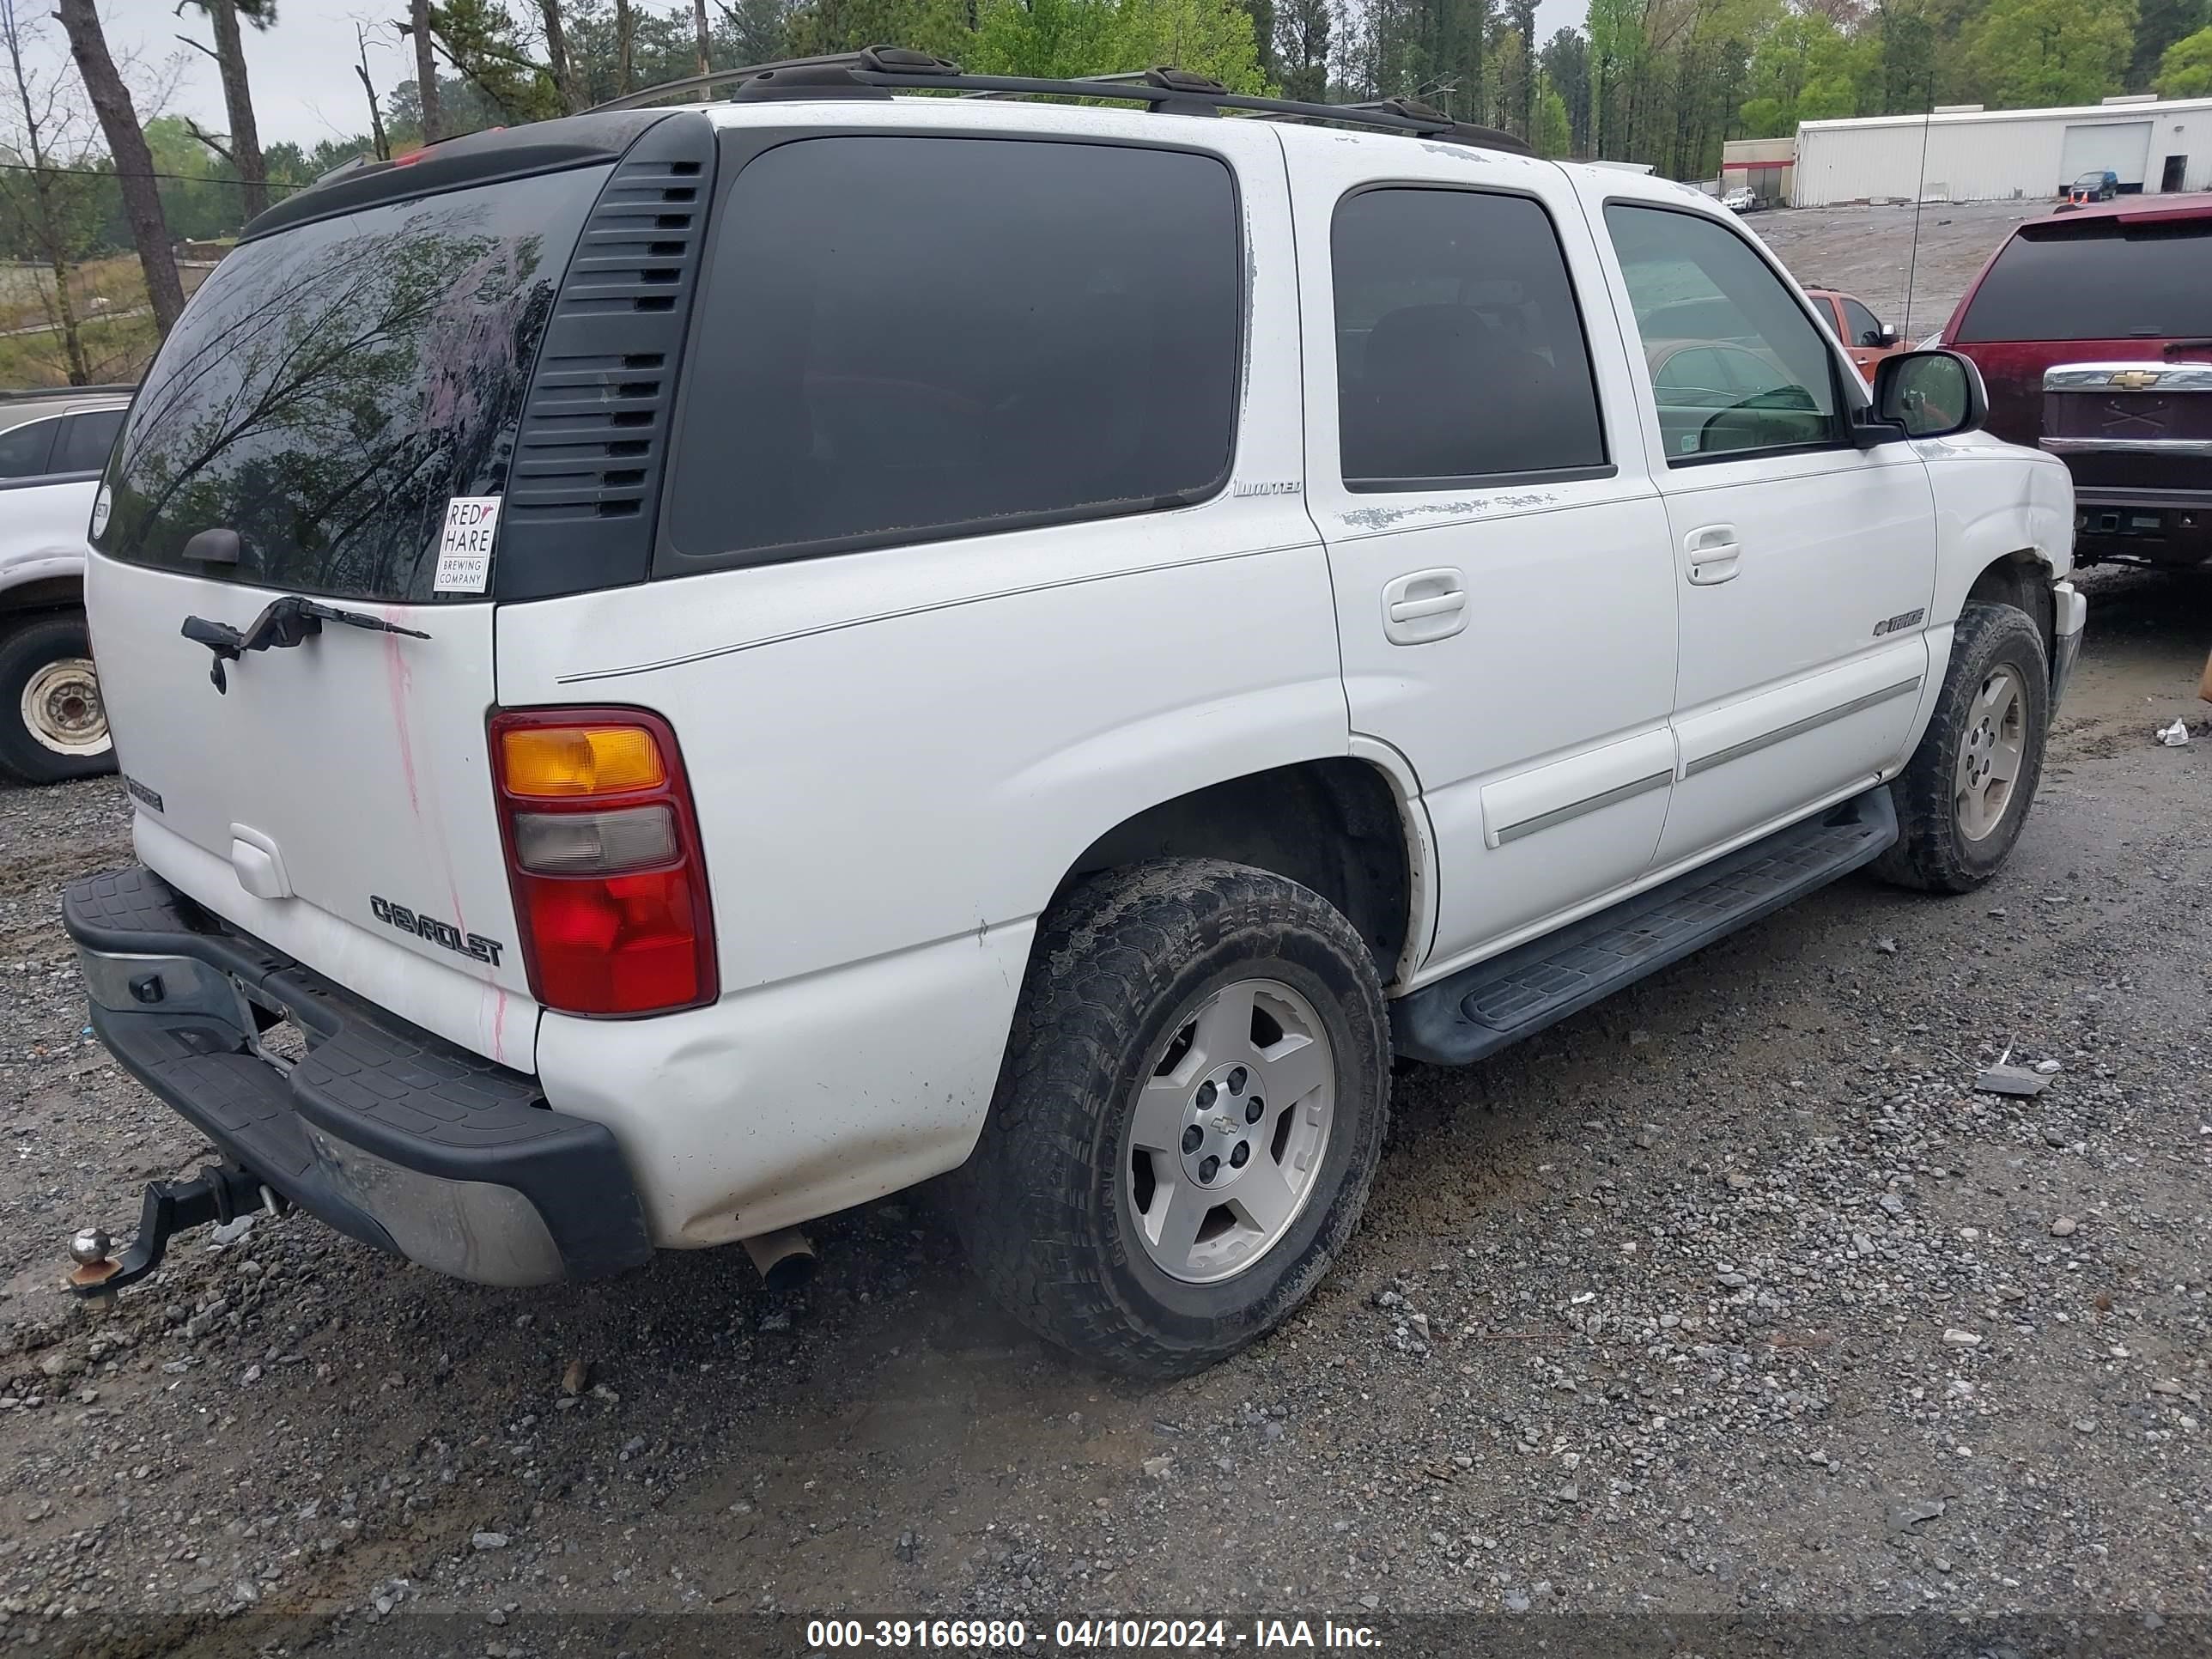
1991 753
1228 1132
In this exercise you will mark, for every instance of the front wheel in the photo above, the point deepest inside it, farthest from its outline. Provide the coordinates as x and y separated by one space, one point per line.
1188 1117
53 723
1963 797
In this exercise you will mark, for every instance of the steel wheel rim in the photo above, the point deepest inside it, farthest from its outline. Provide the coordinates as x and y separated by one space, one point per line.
62 710
1991 754
1248 1066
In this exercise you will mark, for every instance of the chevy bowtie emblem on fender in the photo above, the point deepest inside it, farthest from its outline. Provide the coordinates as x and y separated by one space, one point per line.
2135 380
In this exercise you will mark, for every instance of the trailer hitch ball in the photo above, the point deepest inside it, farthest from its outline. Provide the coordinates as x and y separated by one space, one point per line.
217 1193
93 1251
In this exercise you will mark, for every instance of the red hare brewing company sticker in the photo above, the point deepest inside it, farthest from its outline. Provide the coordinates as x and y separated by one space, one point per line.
464 549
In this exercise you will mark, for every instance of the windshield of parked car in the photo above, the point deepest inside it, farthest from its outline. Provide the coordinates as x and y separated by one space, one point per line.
2097 279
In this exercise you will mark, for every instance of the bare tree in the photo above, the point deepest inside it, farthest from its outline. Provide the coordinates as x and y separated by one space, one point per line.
134 163
1523 13
557 56
376 110
43 197
426 69
242 149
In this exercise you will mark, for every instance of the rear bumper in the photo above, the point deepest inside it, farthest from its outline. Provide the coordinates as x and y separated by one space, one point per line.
384 1132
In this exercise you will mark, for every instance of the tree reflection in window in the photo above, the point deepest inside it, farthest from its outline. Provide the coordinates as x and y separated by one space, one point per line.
334 385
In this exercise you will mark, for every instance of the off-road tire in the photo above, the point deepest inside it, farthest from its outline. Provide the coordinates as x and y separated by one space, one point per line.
26 648
1041 1203
1933 852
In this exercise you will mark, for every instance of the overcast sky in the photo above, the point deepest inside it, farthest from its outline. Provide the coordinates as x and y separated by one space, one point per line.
304 86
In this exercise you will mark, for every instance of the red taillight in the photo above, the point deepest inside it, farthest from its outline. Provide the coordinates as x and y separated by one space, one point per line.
603 853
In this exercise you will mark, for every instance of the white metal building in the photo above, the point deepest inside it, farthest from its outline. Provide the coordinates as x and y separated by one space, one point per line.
1974 154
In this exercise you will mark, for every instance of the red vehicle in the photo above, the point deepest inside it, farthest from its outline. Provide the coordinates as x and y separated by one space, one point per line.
1865 336
2094 333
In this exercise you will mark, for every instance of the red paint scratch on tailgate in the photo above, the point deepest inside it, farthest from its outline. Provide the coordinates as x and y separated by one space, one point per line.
398 679
401 682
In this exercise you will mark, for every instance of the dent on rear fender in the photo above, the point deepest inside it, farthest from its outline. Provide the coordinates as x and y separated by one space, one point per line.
784 1102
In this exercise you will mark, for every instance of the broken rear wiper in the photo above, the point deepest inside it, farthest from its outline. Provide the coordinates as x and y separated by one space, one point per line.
282 623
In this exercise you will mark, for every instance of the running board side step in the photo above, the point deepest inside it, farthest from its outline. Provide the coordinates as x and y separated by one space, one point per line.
1484 1008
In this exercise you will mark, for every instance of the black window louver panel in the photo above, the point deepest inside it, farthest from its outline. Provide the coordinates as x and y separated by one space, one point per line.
586 474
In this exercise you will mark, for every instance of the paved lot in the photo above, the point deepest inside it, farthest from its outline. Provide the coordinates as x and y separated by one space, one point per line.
1729 1297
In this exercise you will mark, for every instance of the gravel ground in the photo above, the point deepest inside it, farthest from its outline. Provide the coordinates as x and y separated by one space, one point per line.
1868 251
1727 1298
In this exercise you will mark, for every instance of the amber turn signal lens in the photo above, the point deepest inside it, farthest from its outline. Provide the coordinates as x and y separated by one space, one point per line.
563 761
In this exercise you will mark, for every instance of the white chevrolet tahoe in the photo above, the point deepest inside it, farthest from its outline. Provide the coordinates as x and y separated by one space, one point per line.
680 670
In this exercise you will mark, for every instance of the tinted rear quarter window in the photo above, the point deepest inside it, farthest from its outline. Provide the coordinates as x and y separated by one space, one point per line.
2097 279
24 449
905 338
330 386
1460 349
85 441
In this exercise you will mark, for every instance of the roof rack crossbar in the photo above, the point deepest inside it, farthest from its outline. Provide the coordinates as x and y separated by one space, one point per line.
722 78
1119 77
1174 90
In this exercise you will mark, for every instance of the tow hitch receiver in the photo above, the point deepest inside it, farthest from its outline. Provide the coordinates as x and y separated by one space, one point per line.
217 1193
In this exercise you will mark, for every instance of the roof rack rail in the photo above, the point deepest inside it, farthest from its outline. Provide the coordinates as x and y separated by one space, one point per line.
49 394
1459 132
875 71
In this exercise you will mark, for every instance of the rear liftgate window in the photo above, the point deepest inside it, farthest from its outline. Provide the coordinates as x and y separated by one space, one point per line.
2097 279
908 338
336 383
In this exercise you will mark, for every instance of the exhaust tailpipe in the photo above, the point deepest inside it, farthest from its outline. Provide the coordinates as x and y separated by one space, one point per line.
786 1258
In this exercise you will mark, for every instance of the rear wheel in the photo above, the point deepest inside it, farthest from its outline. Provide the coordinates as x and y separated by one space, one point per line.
1962 798
52 724
1188 1118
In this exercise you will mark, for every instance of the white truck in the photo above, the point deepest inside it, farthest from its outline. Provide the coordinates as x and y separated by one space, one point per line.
716 663
53 446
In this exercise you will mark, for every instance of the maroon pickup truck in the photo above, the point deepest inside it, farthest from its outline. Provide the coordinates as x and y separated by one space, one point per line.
2094 333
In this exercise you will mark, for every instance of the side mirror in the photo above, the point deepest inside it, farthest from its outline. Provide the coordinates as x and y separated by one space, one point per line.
1888 335
1928 394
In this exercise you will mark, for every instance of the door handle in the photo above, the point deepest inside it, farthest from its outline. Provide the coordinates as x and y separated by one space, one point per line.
1424 606
1435 605
1714 554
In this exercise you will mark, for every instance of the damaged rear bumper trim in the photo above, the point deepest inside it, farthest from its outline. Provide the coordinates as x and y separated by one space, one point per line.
386 1133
